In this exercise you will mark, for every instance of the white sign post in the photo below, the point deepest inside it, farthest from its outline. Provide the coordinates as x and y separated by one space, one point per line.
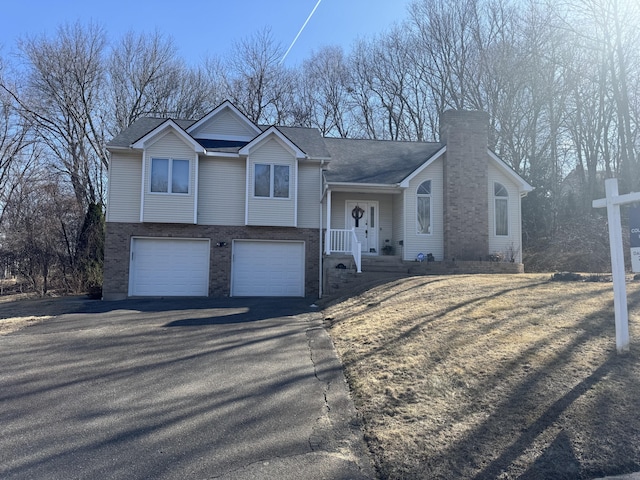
612 202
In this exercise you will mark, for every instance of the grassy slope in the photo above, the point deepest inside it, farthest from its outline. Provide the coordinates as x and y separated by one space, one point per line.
492 377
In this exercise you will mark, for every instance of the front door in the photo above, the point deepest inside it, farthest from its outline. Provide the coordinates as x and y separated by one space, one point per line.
362 216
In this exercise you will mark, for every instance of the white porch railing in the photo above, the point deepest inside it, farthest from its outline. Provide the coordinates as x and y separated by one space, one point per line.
344 241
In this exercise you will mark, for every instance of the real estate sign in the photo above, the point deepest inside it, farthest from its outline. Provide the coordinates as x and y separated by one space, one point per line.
612 203
634 228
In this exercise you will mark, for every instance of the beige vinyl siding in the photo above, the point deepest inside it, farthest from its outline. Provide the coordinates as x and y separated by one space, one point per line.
224 123
510 243
125 178
309 192
169 208
385 216
280 212
398 223
221 191
338 206
433 243
385 212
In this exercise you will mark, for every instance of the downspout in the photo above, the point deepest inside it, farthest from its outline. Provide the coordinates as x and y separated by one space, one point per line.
327 242
142 190
320 249
522 195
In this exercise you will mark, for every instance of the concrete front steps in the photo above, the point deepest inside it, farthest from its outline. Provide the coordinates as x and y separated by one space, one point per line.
341 279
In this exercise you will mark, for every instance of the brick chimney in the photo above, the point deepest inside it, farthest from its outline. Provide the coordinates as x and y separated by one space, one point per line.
466 196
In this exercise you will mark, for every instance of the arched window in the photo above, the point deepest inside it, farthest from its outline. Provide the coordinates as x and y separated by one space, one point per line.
501 202
424 207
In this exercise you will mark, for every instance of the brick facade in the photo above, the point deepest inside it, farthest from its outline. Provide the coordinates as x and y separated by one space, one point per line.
118 244
466 199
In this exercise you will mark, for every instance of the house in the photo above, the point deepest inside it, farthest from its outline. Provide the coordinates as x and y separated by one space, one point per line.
220 206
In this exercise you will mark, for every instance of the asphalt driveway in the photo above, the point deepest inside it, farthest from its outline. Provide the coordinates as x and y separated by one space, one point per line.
176 389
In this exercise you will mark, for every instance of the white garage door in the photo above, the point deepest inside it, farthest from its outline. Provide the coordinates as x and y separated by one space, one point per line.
169 267
267 269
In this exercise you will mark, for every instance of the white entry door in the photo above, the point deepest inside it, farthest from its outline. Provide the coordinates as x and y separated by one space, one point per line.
362 216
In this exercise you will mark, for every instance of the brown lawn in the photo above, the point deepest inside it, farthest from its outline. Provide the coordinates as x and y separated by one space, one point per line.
21 310
492 377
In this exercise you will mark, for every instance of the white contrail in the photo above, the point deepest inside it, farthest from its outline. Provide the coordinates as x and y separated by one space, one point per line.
301 29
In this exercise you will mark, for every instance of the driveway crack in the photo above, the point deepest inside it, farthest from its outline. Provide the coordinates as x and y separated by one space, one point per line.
338 429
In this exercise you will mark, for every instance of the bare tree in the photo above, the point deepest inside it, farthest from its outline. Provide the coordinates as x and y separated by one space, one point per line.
199 91
62 99
41 226
616 33
605 38
365 105
16 144
144 72
448 36
325 91
258 83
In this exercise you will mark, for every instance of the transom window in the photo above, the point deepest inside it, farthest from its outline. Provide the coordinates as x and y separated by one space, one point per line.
169 175
424 207
271 181
501 202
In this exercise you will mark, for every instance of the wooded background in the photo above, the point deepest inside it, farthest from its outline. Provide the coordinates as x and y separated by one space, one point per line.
560 81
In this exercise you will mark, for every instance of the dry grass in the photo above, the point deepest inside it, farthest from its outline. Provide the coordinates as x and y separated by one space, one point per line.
492 377
23 309
10 325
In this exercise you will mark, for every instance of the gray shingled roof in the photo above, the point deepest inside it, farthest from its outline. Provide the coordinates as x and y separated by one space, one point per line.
375 161
352 161
140 128
309 140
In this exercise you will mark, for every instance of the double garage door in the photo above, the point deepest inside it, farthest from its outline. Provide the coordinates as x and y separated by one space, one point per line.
180 267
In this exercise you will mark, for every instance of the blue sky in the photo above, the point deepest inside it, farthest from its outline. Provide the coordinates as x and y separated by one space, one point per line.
209 27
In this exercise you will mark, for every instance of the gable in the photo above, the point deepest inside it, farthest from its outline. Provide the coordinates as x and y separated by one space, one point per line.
268 137
166 207
269 210
273 150
169 144
418 171
167 127
508 172
139 129
225 125
225 122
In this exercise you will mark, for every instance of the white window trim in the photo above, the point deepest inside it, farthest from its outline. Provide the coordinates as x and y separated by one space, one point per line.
430 195
271 181
170 176
495 210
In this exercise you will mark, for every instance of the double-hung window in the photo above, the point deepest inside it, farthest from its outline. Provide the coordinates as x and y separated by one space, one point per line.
424 207
271 181
501 202
169 175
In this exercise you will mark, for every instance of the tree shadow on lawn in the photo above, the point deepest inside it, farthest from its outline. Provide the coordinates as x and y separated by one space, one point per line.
597 437
581 414
390 343
560 448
